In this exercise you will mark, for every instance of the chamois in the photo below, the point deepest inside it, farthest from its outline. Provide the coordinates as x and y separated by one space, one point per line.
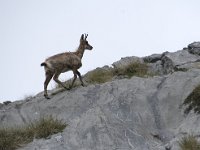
63 62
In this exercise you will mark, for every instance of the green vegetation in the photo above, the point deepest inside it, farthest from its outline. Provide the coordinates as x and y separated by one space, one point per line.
189 143
13 138
192 102
133 69
99 75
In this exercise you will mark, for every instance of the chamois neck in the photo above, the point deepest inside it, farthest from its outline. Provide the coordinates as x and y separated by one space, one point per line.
80 51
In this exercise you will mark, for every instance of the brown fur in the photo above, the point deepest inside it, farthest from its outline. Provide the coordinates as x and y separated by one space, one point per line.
63 62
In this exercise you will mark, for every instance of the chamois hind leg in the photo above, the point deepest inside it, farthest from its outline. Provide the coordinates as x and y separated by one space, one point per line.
49 76
80 77
55 78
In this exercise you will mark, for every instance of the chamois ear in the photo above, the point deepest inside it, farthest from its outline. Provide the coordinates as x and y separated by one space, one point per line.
82 37
86 35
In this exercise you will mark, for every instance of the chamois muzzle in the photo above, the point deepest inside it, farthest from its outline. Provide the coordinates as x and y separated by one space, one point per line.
89 47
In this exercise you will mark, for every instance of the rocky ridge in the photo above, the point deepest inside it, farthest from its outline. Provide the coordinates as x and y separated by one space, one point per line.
122 114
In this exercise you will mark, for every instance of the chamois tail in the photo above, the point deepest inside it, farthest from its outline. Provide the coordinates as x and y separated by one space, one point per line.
43 64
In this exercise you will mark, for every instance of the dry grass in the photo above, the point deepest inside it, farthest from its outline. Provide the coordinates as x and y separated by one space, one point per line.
46 126
133 69
99 76
189 143
13 138
192 101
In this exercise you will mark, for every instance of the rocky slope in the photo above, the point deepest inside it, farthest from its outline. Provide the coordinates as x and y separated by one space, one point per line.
123 114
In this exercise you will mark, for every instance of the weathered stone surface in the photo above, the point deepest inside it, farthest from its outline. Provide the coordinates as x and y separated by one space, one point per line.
152 58
182 57
137 113
194 48
169 62
7 102
126 61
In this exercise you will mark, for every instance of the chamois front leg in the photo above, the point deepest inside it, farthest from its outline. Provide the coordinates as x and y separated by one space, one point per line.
76 72
55 78
80 77
75 77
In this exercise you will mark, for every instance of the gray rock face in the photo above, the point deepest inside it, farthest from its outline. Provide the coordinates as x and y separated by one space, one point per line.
125 61
194 48
137 113
166 63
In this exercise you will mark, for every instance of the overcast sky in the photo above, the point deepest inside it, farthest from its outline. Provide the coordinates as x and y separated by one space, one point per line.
32 30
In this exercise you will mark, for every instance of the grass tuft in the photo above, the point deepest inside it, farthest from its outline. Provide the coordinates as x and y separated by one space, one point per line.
13 138
99 75
133 69
192 101
46 127
189 143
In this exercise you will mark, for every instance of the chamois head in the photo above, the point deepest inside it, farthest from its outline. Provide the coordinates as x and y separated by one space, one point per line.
84 42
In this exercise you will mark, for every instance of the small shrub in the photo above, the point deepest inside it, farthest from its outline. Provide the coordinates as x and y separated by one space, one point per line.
192 102
133 69
189 143
13 138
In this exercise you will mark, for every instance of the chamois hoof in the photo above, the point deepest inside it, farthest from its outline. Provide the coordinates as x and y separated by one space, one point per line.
46 96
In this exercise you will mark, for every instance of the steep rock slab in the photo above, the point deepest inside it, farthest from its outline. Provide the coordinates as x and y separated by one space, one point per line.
136 113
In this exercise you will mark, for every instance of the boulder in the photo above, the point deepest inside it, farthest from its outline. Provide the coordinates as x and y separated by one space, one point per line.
126 61
194 48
